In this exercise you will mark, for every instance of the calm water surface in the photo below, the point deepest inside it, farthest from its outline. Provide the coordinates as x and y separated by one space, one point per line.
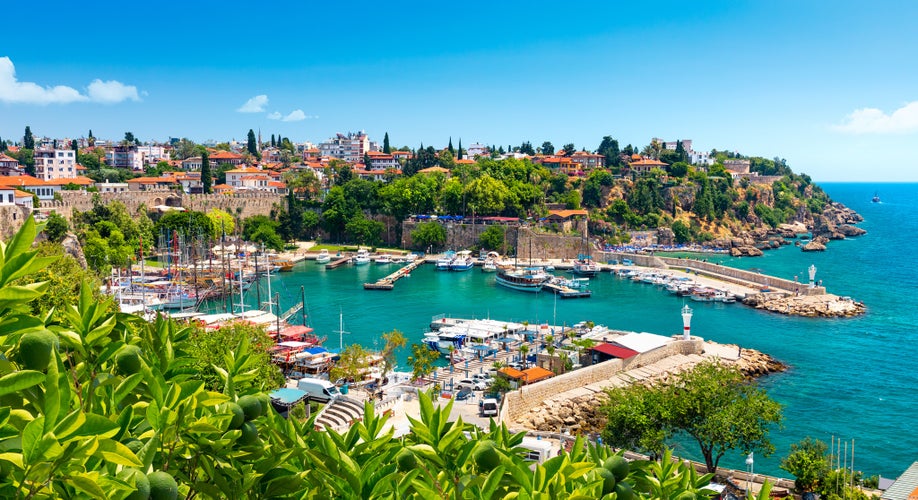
849 378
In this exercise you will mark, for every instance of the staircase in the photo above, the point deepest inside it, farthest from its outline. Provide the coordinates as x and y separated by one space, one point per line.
339 414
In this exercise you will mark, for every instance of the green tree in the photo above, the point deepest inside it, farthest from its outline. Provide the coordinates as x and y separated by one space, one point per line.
422 360
679 169
609 148
221 223
352 364
56 227
681 232
808 461
207 177
428 234
336 212
386 148
459 152
208 350
252 145
28 140
364 231
487 194
450 148
128 139
547 148
492 238
569 149
391 342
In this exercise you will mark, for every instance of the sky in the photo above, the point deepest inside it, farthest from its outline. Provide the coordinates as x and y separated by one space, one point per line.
829 86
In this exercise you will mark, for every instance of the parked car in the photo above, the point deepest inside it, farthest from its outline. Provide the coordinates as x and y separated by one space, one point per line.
477 385
463 394
483 377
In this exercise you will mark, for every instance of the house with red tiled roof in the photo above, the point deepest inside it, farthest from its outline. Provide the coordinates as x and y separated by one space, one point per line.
381 161
644 165
82 181
466 161
436 169
311 154
222 189
152 183
12 196
226 157
375 175
588 161
42 189
401 155
9 165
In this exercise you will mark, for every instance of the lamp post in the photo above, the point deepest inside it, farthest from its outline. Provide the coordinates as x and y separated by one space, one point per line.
812 271
686 322
750 462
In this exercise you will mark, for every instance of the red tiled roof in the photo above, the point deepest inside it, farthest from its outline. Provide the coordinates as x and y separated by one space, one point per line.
646 161
21 180
536 373
615 351
567 213
512 372
225 155
78 180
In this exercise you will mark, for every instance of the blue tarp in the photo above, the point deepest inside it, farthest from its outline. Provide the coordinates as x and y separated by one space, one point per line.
316 350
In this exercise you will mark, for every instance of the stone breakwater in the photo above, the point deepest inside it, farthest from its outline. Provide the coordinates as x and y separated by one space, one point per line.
582 411
813 306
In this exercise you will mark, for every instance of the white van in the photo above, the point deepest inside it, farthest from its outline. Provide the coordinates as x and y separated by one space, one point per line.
489 407
318 389
537 450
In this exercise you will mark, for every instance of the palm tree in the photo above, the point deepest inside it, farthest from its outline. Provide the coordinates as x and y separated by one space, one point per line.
524 349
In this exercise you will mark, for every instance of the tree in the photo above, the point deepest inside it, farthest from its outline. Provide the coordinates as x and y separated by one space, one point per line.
547 148
75 146
91 140
681 232
207 179
569 149
252 145
56 227
352 364
459 151
364 231
2 145
492 238
391 341
526 148
450 148
385 144
428 234
680 150
273 144
28 140
487 195
421 360
128 139
207 349
679 169
222 223
808 462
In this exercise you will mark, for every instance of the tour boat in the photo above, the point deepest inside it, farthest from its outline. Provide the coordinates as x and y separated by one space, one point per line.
324 257
445 261
524 280
384 259
586 267
489 266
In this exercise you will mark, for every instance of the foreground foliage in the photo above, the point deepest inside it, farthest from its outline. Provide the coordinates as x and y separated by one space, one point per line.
98 404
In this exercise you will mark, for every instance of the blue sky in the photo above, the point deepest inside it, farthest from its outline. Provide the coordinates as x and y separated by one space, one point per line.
830 86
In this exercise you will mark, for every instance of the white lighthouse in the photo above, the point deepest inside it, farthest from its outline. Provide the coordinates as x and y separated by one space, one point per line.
686 323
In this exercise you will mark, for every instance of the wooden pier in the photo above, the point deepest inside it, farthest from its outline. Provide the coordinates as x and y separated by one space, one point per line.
337 263
388 283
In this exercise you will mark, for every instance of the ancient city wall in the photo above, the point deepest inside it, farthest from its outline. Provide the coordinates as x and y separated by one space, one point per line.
530 244
520 401
238 204
11 219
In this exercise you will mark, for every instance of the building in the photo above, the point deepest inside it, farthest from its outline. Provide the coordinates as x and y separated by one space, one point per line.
382 161
9 165
112 187
152 183
228 157
695 157
350 147
735 166
477 150
12 196
55 164
124 156
588 161
151 155
703 158
44 190
644 165
193 163
250 178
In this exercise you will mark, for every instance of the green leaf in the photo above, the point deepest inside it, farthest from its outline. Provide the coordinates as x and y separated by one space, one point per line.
87 483
52 401
126 387
23 379
97 425
117 453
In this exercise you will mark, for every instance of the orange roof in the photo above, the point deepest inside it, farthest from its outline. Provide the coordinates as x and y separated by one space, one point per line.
22 194
78 180
12 149
567 213
21 180
225 155
465 161
243 170
377 153
277 184
512 372
536 373
433 170
653 163
5 158
152 180
222 187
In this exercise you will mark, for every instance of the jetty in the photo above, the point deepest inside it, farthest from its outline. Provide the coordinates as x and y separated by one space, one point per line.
388 283
337 263
566 292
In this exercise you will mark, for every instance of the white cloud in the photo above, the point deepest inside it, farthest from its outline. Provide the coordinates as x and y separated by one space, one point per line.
295 116
275 116
875 121
14 91
111 91
254 105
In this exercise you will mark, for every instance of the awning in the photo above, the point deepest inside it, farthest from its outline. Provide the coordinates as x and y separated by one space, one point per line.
615 351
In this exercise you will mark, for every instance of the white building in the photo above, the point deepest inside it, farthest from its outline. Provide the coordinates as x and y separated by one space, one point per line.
127 157
350 147
112 187
382 161
476 150
151 155
55 164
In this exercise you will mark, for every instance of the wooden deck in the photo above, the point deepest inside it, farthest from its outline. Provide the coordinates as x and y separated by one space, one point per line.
388 283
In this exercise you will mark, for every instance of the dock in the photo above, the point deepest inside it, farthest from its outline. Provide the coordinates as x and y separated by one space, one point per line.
388 283
566 292
337 263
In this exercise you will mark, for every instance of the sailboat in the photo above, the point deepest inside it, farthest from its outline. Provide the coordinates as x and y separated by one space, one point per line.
876 198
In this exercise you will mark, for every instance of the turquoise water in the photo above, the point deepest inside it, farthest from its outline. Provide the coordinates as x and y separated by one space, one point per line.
849 378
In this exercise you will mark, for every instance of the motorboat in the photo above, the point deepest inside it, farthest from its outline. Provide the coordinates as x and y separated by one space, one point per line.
462 262
324 257
384 259
445 261
362 257
489 266
524 280
586 267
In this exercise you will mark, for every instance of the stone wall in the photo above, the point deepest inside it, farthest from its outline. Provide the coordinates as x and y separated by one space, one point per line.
531 243
459 235
11 219
520 401
535 245
240 204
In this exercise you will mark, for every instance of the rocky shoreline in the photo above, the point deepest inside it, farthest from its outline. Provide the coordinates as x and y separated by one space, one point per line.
810 306
584 411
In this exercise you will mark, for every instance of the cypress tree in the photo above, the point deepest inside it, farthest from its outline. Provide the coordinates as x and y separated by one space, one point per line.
452 150
206 177
91 140
28 141
74 145
2 145
273 144
459 156
251 145
385 144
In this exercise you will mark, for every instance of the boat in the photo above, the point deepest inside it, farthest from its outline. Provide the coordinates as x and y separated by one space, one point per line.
876 198
324 257
445 260
384 259
441 341
462 262
362 257
489 266
586 267
524 280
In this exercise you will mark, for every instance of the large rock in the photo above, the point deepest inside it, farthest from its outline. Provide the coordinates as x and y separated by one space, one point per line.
745 251
814 246
849 230
72 247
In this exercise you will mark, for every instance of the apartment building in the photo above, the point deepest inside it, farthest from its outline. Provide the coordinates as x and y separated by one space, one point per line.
53 164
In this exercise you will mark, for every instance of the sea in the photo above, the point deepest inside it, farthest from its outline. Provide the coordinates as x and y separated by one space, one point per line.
851 380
